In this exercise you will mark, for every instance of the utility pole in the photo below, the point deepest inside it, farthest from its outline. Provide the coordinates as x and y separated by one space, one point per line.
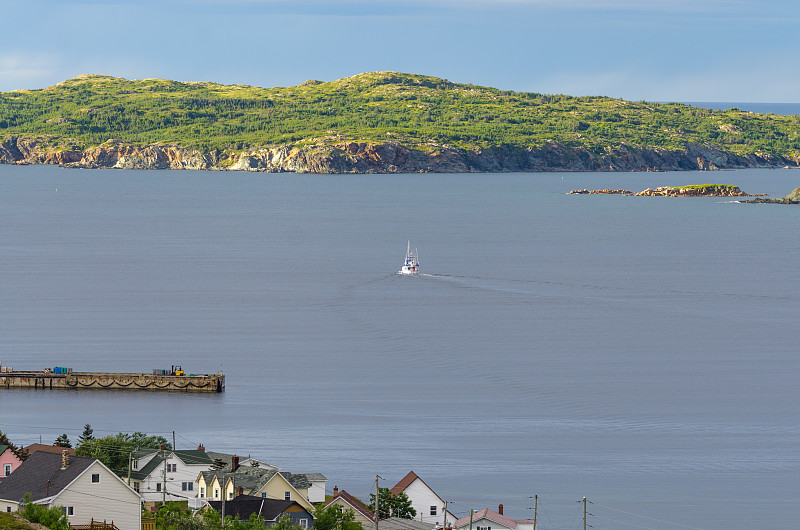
130 457
377 502
584 513
444 520
535 507
470 518
164 487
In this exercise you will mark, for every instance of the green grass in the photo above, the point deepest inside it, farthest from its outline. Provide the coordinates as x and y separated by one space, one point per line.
10 522
418 111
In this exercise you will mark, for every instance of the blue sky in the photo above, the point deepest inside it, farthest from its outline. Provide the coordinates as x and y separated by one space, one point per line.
657 50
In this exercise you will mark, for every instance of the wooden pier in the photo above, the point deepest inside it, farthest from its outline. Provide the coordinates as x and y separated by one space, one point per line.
46 380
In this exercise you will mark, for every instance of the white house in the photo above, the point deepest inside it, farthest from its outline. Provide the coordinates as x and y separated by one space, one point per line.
429 506
86 489
164 474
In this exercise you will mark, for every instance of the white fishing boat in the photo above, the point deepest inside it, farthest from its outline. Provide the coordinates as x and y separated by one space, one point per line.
411 266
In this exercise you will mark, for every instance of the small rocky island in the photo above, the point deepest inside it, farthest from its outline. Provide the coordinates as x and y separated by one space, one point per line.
702 190
792 198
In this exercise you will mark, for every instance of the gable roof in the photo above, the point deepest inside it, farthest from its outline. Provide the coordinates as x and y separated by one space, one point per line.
41 476
35 448
409 479
245 505
191 457
354 503
491 515
397 523
404 483
228 458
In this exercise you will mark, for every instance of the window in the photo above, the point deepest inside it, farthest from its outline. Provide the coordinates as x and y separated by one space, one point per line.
136 487
433 510
172 468
7 469
187 486
95 478
304 523
263 495
8 508
69 510
287 495
230 495
216 494
135 464
202 492
158 486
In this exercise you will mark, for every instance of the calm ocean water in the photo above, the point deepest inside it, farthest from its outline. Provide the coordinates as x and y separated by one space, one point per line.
641 352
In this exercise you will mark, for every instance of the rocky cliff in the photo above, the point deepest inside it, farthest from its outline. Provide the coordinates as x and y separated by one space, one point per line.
388 157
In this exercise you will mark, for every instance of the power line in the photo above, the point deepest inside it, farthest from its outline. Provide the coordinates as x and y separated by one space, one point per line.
648 517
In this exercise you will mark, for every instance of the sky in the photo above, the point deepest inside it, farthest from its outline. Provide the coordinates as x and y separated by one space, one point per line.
654 50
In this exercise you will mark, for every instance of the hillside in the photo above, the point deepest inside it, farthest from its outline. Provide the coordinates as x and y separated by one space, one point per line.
383 121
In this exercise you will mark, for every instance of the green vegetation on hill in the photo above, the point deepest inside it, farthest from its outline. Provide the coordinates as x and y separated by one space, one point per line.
414 110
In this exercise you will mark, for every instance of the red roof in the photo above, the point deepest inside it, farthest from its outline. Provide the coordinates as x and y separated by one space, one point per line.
355 503
405 482
33 448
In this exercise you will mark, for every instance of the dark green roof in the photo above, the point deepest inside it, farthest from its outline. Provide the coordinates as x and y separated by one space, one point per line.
142 473
193 457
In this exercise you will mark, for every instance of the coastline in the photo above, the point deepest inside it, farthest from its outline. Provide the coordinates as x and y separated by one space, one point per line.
384 158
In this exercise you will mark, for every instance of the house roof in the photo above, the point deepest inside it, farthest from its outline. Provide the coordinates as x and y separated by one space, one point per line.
491 515
354 502
245 505
316 477
191 457
149 467
41 476
35 448
404 483
228 458
396 523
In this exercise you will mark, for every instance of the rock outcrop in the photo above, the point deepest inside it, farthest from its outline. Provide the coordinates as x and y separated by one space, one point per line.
331 156
792 198
717 190
605 191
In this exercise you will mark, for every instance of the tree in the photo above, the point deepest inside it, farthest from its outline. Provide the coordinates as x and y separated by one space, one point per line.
88 434
53 518
16 450
335 518
63 441
113 450
391 505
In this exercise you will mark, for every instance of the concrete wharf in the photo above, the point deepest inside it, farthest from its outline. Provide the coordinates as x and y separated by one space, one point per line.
46 379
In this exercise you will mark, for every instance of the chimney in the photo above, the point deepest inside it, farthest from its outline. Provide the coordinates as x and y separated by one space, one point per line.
161 447
64 459
201 448
335 491
234 463
240 490
500 509
47 491
57 444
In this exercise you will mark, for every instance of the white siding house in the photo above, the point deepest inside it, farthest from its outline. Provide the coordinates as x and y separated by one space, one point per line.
429 506
167 475
84 487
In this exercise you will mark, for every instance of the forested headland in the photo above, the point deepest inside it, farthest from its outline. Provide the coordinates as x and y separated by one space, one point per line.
375 122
